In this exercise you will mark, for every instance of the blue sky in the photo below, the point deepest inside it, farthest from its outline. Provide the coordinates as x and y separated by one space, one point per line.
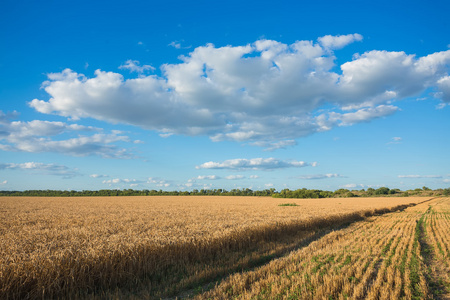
224 94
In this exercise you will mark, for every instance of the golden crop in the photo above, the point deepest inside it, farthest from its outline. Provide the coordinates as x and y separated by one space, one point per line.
401 255
152 247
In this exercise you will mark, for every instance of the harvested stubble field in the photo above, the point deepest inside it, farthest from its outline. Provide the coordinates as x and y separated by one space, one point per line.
401 255
153 247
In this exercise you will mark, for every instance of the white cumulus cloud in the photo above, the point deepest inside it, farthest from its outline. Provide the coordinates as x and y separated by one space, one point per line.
45 136
340 41
266 93
41 168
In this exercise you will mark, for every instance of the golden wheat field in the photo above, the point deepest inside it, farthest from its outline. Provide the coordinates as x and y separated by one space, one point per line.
229 247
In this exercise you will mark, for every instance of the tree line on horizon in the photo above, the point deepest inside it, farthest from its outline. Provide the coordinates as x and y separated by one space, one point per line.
285 193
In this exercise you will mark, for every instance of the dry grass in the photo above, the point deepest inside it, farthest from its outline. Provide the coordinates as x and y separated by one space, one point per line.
381 258
154 246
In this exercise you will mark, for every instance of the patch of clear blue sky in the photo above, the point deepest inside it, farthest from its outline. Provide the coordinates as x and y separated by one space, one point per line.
40 37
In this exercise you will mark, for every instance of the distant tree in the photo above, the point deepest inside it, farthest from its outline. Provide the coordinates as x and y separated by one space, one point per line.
370 191
341 193
382 191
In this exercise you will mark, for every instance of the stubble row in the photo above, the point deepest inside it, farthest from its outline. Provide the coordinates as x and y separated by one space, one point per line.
384 257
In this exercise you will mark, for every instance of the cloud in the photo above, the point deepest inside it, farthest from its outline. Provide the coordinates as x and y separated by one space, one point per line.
111 181
349 185
235 177
165 135
253 176
444 88
134 66
41 168
3 182
98 176
159 182
6 118
321 176
37 136
395 140
42 128
208 177
266 93
340 41
254 164
271 146
126 181
361 115
419 176
177 45
352 185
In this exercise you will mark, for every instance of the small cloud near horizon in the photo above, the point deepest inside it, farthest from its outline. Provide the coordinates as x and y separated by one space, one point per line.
254 164
419 176
321 176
